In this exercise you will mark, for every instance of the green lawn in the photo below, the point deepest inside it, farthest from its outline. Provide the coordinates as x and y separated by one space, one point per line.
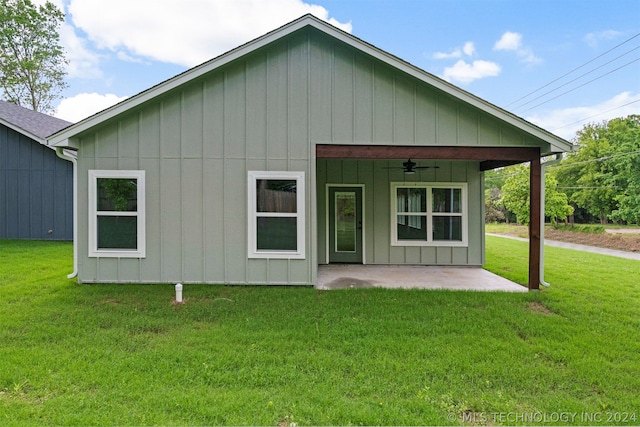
125 355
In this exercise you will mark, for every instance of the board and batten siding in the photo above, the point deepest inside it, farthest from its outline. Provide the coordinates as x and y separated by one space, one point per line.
36 190
266 111
196 145
377 181
355 99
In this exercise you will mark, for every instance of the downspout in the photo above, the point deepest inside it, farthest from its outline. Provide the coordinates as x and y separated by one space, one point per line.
542 207
60 152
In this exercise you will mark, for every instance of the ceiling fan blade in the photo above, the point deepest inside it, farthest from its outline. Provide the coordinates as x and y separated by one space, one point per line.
410 166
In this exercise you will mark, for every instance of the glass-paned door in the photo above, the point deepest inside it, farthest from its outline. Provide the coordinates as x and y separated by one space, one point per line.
345 224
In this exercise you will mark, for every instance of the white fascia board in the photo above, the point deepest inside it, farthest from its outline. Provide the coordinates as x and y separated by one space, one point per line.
64 143
557 143
61 138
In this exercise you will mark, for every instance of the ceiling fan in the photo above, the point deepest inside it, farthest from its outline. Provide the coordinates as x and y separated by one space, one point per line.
410 167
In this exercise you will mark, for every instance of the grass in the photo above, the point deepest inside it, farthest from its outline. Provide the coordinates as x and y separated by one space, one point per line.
124 354
523 230
581 228
504 228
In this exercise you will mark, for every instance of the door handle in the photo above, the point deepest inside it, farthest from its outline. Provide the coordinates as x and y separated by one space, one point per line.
359 225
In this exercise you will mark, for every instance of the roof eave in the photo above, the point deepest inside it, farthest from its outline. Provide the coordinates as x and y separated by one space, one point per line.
63 137
59 138
24 132
456 92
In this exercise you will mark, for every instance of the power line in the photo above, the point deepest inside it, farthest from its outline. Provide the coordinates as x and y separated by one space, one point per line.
582 85
566 165
579 77
575 69
613 156
595 115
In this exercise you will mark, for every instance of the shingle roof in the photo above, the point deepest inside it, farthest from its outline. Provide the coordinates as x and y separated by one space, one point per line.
34 123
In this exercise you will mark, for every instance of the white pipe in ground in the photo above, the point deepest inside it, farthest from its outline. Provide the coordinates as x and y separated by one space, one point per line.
179 292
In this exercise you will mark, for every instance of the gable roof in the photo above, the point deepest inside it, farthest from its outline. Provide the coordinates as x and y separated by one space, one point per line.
35 125
557 144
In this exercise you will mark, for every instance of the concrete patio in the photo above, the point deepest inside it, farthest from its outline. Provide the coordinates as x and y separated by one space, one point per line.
342 276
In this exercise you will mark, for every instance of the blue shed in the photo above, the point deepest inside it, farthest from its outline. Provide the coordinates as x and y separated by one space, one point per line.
36 186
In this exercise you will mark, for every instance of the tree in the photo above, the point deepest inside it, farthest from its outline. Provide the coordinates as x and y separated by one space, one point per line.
32 62
626 179
515 196
603 175
495 211
585 174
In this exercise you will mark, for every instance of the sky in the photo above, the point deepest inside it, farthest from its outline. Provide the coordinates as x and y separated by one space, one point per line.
559 64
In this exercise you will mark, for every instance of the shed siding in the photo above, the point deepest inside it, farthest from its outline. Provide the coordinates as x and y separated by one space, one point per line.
36 190
266 111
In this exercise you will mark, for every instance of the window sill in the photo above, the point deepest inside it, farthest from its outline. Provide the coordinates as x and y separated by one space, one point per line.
430 244
117 254
276 255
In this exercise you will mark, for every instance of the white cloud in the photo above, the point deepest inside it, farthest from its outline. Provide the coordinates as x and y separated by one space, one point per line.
83 63
463 72
457 53
83 105
509 41
593 39
566 122
184 32
513 42
468 49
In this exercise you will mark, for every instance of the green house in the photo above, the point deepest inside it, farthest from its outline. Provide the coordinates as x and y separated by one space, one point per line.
306 146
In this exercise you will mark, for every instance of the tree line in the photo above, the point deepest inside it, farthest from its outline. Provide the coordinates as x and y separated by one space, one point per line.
599 181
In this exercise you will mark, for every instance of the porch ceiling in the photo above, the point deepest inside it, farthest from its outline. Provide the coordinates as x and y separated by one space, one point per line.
489 157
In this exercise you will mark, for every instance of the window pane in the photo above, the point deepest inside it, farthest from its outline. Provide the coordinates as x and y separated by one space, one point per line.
117 232
117 194
448 228
274 195
412 227
345 221
447 200
277 233
412 199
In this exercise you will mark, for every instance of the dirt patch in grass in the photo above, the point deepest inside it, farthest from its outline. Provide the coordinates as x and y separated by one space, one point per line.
627 241
538 307
623 239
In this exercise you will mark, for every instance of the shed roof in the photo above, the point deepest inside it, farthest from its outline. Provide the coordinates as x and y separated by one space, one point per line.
35 125
556 143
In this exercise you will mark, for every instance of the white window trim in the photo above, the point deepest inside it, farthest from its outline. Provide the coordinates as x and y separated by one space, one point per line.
252 247
429 214
140 252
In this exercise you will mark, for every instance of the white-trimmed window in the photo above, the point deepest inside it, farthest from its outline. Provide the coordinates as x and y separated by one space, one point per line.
276 215
428 214
116 213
